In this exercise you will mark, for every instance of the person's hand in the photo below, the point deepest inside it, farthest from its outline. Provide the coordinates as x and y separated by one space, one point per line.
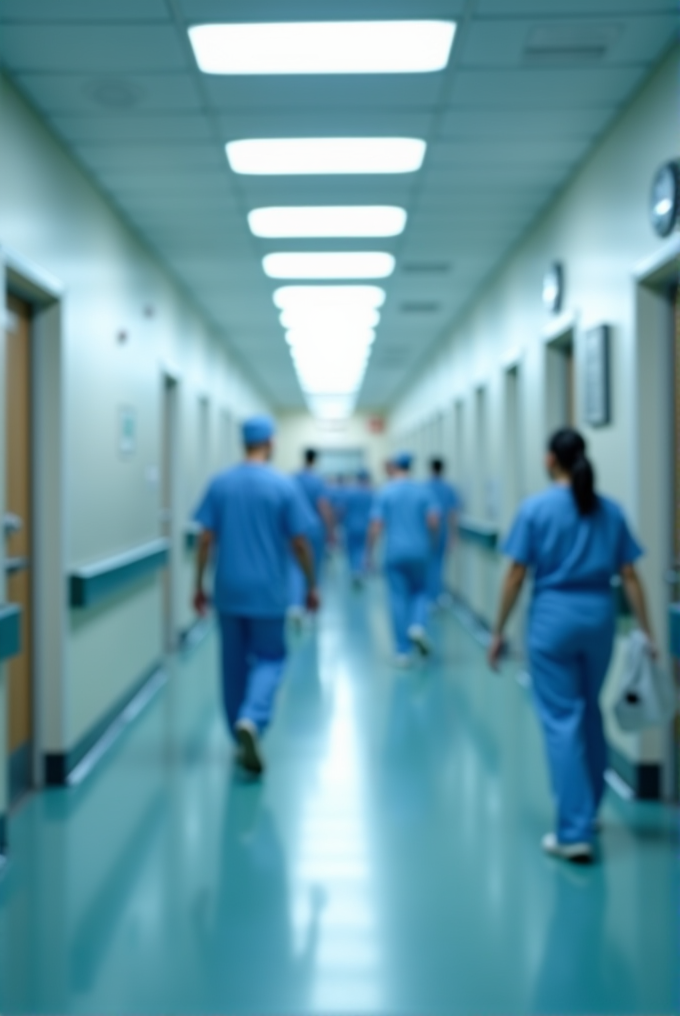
495 651
201 602
652 648
313 600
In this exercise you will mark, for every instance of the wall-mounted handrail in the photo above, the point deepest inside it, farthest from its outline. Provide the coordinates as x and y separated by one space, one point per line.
10 630
93 582
485 534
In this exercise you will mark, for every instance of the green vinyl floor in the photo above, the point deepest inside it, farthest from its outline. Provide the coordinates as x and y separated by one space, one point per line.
389 862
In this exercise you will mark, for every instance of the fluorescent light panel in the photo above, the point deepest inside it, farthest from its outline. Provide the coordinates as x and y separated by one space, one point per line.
329 265
326 47
313 156
329 298
327 221
331 407
314 319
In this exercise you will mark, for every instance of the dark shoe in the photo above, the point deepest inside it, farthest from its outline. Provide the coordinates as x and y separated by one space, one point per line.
249 757
577 853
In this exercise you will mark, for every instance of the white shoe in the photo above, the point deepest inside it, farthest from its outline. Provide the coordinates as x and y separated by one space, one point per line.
418 637
578 853
403 661
249 756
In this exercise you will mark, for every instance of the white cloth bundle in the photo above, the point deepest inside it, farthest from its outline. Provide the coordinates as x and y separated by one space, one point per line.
646 695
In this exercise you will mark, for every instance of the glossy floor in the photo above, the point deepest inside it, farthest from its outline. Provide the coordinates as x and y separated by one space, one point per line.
389 863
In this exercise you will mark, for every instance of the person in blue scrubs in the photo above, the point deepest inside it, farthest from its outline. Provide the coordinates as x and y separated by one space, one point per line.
573 541
358 504
319 529
449 501
406 512
252 517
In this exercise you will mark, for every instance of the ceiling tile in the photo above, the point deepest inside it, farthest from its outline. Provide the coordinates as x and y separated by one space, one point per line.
539 88
521 125
109 94
83 10
92 49
332 94
117 129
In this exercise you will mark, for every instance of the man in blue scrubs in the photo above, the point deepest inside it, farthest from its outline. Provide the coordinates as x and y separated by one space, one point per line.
319 529
254 517
449 502
357 517
409 517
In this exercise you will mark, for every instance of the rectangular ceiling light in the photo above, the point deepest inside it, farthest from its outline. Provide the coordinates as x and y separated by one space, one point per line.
318 156
331 335
325 298
331 407
329 265
311 320
327 221
323 47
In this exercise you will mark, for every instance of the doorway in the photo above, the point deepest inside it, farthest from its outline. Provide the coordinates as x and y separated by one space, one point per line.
561 382
168 509
18 539
513 449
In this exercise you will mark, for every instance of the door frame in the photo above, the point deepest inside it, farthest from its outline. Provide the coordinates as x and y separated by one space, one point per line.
44 293
652 437
170 382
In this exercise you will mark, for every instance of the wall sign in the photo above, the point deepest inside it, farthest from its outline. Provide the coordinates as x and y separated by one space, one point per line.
127 431
665 199
553 288
597 371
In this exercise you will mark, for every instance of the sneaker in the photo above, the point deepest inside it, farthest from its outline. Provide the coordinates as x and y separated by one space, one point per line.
418 637
402 661
578 853
249 757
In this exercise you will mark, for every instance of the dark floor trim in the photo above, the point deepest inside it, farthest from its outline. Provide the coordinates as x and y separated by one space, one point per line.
94 582
59 765
19 772
643 778
10 630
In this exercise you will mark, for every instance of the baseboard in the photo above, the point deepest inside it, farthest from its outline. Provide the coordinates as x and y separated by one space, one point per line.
60 765
471 621
643 778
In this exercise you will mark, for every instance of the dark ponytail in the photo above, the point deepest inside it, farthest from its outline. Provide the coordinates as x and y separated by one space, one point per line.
569 449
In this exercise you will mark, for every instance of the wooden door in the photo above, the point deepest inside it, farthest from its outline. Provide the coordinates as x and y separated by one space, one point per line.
18 538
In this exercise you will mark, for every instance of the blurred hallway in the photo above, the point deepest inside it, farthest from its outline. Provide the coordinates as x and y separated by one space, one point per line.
388 863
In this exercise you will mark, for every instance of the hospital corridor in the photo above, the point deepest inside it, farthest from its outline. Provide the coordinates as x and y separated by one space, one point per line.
340 503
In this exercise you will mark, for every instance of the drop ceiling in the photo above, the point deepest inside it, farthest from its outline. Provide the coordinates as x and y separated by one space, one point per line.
530 87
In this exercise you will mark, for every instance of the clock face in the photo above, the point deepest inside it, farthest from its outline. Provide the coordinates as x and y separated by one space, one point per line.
664 200
552 288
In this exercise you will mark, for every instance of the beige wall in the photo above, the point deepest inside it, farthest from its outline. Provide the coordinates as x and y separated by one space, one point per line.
298 431
598 227
53 216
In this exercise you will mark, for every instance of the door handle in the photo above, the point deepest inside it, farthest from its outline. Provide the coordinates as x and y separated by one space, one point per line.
12 523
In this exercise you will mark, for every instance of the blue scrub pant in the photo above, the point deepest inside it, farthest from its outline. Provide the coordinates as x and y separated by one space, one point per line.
356 551
297 584
571 637
435 572
407 587
253 658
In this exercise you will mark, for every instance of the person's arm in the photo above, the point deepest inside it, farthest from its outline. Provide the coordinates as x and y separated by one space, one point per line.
433 519
203 549
512 586
374 532
635 594
304 557
453 526
328 516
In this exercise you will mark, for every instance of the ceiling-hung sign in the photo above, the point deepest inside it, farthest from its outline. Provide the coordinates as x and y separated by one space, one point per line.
665 199
553 288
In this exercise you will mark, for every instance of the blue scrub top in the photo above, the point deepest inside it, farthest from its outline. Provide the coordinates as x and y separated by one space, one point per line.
253 511
403 507
313 489
569 552
358 504
449 500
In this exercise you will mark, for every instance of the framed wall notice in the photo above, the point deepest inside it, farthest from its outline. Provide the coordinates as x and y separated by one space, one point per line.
596 364
127 431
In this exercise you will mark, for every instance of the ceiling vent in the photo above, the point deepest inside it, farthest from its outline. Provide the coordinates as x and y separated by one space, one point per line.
113 93
426 267
419 307
562 45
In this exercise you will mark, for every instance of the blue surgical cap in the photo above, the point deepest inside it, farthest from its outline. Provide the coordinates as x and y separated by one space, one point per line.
257 430
403 460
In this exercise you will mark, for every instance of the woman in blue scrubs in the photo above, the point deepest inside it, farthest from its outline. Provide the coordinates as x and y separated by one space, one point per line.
573 541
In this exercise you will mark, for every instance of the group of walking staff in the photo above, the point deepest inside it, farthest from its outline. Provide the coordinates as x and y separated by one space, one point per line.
254 520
